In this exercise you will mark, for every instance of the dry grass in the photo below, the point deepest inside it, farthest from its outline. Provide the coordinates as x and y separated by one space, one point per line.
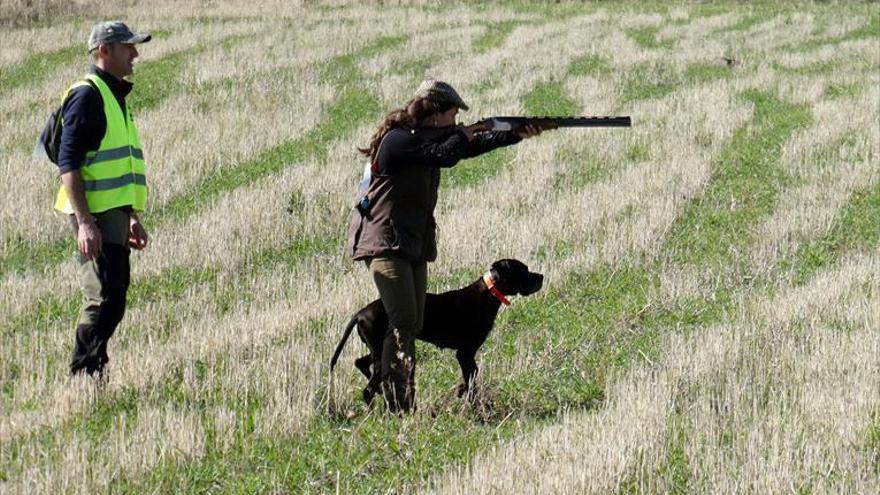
763 400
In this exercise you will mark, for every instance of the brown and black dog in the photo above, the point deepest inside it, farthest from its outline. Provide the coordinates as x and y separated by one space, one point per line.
459 319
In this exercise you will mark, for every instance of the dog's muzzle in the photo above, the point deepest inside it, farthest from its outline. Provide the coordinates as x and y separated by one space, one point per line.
535 282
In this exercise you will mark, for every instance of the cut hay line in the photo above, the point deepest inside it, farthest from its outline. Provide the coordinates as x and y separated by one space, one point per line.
251 305
827 162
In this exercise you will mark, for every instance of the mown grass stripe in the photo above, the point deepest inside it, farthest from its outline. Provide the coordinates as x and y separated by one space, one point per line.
96 425
646 37
857 228
158 79
38 65
744 186
652 80
352 107
496 34
744 23
588 65
870 29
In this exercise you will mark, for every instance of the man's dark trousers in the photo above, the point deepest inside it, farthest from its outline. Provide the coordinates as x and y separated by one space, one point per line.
104 281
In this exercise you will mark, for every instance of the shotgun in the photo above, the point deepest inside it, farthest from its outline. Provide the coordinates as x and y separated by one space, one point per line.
545 123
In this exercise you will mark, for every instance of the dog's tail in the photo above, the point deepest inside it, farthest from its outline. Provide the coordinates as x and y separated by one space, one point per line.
342 342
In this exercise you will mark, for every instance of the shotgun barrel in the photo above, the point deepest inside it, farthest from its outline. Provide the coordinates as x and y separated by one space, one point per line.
544 123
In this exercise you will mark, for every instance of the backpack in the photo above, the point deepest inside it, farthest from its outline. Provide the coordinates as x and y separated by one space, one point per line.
50 138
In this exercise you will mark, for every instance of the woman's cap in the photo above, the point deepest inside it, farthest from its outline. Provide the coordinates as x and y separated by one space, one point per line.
441 92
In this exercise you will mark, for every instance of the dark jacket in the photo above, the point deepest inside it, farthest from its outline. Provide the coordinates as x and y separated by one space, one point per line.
84 120
395 217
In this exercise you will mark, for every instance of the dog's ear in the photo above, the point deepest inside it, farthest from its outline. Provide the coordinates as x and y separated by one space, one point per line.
509 266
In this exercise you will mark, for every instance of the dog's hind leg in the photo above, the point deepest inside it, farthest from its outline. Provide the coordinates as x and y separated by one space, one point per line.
374 386
363 364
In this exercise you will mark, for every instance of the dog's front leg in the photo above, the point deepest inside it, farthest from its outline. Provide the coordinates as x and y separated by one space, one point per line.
468 371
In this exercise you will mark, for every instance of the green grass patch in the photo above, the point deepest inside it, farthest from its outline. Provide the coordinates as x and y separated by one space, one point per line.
673 471
495 36
589 65
871 29
852 147
477 170
584 167
39 65
856 229
587 325
24 254
417 68
157 80
368 455
648 81
549 99
834 90
646 37
701 73
744 23
47 445
744 186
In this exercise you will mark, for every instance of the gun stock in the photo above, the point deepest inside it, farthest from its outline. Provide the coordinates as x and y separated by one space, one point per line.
546 123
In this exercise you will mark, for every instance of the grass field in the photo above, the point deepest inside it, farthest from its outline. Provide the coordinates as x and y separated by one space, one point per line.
710 321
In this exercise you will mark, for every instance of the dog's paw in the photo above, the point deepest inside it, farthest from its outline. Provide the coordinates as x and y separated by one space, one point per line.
368 396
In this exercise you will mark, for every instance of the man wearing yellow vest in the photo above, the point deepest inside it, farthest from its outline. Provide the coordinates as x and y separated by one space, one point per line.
103 187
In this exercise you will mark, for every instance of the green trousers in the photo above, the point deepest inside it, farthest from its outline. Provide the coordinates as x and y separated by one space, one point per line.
104 282
402 285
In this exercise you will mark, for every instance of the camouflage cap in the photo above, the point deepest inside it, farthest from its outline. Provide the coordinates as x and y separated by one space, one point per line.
114 32
440 92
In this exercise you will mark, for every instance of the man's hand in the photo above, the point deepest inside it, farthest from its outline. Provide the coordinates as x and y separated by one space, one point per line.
529 131
88 238
137 234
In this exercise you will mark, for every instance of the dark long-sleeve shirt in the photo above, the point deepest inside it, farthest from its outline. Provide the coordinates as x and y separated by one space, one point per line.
427 147
84 120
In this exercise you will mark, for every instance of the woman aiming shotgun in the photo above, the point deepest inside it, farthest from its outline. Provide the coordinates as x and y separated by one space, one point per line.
392 227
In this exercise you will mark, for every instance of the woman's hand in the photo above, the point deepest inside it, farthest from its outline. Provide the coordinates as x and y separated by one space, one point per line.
472 129
529 131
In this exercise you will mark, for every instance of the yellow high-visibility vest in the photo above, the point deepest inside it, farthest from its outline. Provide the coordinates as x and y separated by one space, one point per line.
115 174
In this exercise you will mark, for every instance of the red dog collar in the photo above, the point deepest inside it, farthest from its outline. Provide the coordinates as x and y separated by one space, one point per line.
490 284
